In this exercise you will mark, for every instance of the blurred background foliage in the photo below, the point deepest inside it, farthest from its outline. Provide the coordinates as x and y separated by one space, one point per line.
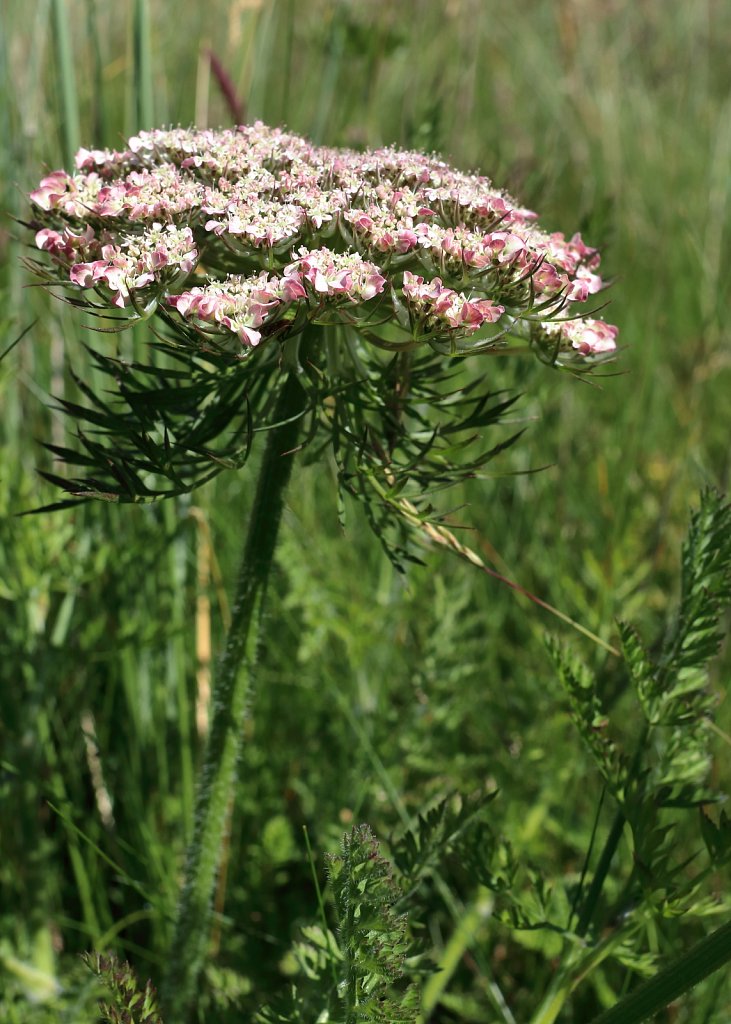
375 694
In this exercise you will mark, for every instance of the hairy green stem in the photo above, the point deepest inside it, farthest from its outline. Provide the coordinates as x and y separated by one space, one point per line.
218 772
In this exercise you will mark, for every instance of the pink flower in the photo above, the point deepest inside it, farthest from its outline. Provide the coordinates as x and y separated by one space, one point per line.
371 285
159 259
292 287
249 336
91 159
416 288
183 302
489 311
334 274
362 222
547 280
434 302
591 337
67 246
50 190
584 252
49 240
471 315
505 245
584 284
83 274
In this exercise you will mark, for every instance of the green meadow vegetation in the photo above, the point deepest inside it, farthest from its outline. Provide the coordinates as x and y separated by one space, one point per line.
458 800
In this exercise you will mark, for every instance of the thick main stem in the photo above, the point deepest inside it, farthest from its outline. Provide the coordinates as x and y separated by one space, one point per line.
218 772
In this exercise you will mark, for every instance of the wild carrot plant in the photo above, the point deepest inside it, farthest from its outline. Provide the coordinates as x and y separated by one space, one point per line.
325 296
328 299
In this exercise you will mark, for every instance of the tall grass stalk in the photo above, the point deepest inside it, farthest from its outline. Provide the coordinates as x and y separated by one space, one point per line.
333 63
143 94
99 113
264 41
66 76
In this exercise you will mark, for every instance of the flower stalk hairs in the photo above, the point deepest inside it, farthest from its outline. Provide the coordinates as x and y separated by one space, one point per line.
331 298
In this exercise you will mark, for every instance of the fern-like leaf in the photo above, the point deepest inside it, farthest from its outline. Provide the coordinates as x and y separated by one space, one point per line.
130 1003
358 977
436 832
373 938
590 717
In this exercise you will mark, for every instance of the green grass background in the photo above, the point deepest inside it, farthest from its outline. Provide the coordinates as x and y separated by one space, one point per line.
374 694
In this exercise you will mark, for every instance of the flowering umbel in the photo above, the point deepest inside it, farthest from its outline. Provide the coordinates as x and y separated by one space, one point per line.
238 230
234 243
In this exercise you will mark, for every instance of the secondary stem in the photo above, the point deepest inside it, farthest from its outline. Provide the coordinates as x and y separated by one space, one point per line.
218 772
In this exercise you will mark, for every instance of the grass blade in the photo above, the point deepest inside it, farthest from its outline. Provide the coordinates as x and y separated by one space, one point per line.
675 980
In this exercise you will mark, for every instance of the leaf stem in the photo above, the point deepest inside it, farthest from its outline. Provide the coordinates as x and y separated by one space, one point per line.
218 772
